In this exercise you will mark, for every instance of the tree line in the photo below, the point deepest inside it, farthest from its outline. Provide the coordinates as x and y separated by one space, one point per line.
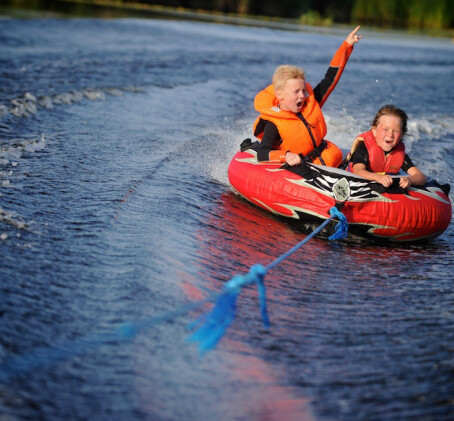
422 14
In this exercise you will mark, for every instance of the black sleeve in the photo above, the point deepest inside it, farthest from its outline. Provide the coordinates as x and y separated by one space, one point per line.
322 88
407 163
271 139
360 156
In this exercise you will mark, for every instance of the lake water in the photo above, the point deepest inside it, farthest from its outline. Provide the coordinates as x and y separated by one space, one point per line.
115 207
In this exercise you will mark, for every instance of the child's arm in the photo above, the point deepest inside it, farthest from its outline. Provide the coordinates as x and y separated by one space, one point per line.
415 178
383 179
336 68
267 151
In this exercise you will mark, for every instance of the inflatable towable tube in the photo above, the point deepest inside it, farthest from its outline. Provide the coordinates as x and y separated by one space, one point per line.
419 213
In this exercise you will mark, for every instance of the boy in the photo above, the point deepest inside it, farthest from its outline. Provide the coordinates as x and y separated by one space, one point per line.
291 125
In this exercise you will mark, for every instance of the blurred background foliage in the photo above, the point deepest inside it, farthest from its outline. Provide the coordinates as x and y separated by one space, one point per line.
389 14
422 14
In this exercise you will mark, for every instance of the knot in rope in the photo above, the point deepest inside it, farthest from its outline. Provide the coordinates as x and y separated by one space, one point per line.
216 322
341 227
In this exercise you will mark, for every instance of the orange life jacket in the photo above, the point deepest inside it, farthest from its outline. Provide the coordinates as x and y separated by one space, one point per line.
294 132
378 161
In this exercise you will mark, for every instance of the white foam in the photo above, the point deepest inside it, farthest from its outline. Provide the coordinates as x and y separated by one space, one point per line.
67 98
94 94
11 154
343 128
11 219
28 104
226 143
17 147
433 127
113 91
45 102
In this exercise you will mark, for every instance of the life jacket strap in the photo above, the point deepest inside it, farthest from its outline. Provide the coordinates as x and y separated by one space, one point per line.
316 153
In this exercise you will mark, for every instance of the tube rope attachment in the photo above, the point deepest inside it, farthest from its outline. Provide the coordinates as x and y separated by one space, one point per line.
342 227
212 326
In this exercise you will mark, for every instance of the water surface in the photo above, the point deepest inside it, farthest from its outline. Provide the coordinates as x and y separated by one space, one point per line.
115 138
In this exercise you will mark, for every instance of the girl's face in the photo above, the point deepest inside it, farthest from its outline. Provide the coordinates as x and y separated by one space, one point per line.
388 132
293 96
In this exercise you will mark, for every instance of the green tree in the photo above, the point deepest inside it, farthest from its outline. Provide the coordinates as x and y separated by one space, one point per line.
405 13
431 14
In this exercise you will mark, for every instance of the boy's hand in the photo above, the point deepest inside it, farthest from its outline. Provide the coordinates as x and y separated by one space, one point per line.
405 182
292 159
384 179
352 37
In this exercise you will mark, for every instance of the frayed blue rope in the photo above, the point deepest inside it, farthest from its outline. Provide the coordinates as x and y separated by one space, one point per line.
222 315
217 321
262 293
19 365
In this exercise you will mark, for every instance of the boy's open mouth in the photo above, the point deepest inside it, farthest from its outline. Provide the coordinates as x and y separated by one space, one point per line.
299 104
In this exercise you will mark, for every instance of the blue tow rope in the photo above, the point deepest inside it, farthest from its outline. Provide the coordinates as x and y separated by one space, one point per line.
216 322
212 326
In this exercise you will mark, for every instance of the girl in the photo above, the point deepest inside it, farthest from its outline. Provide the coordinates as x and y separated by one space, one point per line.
380 152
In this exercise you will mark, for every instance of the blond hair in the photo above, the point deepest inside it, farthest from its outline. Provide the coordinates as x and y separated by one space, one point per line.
285 72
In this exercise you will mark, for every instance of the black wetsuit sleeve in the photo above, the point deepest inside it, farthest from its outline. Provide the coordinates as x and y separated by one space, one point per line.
407 163
270 141
325 84
323 90
360 156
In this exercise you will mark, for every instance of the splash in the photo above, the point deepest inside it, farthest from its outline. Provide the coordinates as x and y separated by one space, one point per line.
433 127
225 143
28 104
10 154
10 157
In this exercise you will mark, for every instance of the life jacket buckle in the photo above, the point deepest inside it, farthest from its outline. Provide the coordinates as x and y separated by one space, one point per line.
317 152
